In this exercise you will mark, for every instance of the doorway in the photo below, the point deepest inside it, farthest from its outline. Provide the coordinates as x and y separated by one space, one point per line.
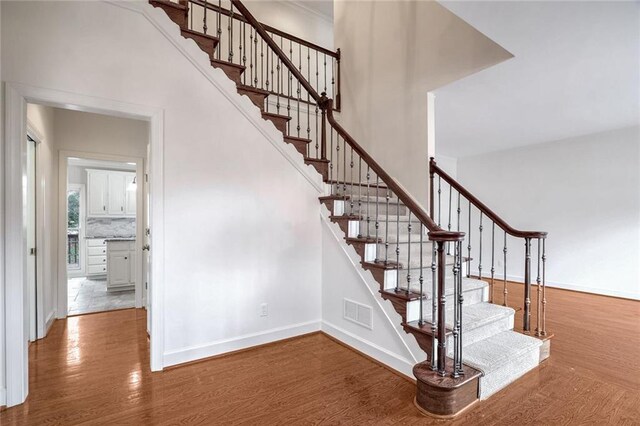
102 258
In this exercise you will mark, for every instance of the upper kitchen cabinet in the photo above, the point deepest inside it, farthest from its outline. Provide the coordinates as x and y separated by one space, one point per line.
97 183
111 193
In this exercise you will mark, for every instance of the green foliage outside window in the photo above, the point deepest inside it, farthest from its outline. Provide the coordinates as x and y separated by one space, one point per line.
73 219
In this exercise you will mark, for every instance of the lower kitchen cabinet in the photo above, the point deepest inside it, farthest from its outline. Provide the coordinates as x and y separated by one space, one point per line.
121 265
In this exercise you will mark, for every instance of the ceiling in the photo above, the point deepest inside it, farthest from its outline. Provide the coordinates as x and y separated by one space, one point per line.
575 71
322 7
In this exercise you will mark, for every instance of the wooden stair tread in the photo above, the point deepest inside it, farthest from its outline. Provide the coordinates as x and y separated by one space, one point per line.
316 160
218 62
277 116
246 88
169 4
363 240
199 34
425 328
402 295
297 139
345 217
382 265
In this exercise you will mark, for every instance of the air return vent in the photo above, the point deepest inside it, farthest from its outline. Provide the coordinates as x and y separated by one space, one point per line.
358 313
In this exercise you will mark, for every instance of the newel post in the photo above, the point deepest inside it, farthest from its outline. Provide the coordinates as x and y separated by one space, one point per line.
324 103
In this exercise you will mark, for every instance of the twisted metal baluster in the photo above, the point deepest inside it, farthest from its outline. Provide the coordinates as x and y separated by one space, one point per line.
539 294
408 252
493 255
386 229
230 30
449 223
351 187
397 244
480 247
544 297
421 279
505 292
434 308
368 202
469 244
377 219
456 312
204 20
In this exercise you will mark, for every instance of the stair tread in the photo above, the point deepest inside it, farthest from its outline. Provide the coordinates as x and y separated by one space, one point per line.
316 160
495 351
253 89
474 316
272 114
345 217
170 4
216 62
296 138
199 34
402 294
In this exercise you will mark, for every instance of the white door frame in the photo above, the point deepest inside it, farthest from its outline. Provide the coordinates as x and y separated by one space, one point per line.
80 187
63 275
16 309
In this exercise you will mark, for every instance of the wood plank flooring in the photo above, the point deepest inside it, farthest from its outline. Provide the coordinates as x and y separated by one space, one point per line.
93 369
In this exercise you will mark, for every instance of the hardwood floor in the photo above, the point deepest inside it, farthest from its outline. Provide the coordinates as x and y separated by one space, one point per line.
93 369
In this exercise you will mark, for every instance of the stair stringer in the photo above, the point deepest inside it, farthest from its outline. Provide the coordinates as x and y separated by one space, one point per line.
201 61
412 353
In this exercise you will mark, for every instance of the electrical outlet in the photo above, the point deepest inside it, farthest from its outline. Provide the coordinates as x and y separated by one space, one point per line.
264 310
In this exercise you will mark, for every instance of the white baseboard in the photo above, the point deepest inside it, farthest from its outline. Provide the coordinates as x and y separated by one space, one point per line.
194 353
49 322
566 286
3 397
390 359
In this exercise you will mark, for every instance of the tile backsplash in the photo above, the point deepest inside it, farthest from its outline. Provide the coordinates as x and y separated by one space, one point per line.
110 227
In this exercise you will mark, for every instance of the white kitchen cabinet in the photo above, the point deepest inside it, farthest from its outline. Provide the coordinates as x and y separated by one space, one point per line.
96 256
116 194
121 265
97 183
130 194
110 194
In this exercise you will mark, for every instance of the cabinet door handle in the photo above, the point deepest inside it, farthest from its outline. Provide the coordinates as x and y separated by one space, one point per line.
104 208
125 258
121 208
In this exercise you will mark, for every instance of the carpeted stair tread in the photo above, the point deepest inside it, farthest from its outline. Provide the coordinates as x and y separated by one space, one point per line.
492 353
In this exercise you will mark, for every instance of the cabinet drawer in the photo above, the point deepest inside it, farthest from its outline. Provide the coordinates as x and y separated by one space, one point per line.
97 251
96 242
97 260
96 269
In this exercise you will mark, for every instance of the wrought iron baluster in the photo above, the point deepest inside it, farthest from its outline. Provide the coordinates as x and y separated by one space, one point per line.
469 244
219 28
243 50
279 71
493 256
527 286
333 78
299 92
290 88
352 191
544 296
255 52
377 219
539 294
460 302
368 201
397 243
325 73
442 302
449 223
344 178
408 252
421 279
204 19
386 230
250 55
338 168
230 30
262 63
359 191
456 312
331 155
480 248
439 200
505 291
459 211
309 101
434 307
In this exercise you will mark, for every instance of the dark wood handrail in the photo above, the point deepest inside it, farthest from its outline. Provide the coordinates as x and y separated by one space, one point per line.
269 28
434 169
436 233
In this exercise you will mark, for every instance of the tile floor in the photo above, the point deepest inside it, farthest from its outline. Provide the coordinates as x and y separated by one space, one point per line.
89 295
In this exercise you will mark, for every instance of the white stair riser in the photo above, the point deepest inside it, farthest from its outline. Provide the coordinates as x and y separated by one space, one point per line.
482 332
496 380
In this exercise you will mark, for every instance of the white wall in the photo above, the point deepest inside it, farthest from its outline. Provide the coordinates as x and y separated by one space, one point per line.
234 238
43 120
393 54
585 192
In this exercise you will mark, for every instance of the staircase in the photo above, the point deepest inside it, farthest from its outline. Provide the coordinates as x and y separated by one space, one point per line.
432 276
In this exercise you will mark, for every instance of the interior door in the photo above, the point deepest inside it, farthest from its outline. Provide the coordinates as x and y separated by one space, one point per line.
146 261
130 197
31 239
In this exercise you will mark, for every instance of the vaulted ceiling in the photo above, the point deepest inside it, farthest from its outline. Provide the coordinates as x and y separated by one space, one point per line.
575 71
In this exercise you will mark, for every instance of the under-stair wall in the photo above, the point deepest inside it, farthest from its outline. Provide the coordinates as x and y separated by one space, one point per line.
242 223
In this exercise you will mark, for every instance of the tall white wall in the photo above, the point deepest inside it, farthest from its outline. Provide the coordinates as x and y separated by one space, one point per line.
42 118
241 224
585 192
393 54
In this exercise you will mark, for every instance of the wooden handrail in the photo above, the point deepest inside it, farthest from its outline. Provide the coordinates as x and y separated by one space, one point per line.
434 169
436 233
269 28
